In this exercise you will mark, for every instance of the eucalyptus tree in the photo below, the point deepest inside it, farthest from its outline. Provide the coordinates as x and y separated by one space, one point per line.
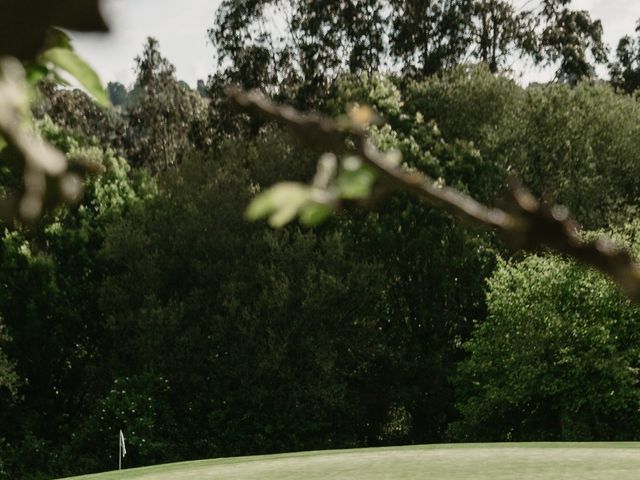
294 49
570 39
163 114
625 70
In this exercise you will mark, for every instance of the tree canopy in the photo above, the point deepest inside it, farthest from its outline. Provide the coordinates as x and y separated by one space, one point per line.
150 303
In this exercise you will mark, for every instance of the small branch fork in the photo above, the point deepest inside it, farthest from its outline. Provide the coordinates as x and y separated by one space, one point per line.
525 223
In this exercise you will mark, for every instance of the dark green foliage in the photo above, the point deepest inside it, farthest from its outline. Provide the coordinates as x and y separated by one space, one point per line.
435 271
299 56
140 407
117 93
8 378
625 71
421 252
320 40
435 33
50 277
266 374
468 103
500 31
556 359
158 120
164 116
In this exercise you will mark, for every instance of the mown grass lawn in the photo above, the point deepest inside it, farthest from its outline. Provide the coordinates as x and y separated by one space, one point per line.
548 461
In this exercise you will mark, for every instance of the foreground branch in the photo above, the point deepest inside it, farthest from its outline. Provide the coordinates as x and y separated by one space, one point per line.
524 224
49 178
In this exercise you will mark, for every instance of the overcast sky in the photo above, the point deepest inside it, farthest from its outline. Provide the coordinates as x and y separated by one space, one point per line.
181 28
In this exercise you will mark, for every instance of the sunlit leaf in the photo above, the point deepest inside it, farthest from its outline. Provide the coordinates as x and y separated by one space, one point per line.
314 213
283 215
356 184
70 62
281 203
259 207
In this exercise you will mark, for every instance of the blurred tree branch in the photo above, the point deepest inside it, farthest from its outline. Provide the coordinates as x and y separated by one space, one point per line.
29 34
525 223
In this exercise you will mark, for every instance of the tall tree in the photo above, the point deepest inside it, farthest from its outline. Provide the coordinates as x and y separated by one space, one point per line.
429 35
298 44
500 31
625 71
164 115
570 39
556 359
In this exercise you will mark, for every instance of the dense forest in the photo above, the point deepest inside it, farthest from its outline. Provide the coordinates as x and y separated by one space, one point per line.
153 306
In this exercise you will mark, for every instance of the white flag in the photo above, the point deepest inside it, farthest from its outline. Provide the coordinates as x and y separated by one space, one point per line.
124 449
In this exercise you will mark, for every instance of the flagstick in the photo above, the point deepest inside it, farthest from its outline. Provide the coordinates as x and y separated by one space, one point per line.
119 452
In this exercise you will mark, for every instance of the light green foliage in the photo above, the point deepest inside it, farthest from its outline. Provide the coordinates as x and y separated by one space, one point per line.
467 102
282 202
285 201
375 90
355 180
580 146
556 359
115 189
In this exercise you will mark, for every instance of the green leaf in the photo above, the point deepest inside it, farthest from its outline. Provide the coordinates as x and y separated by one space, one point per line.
35 72
356 184
70 62
259 207
283 215
314 214
56 38
281 203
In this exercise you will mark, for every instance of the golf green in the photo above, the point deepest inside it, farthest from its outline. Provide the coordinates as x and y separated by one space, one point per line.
579 461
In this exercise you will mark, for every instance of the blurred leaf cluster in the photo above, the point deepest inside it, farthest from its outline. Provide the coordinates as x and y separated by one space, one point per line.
32 48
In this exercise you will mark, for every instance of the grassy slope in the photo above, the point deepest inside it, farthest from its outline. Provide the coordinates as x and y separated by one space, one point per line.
576 461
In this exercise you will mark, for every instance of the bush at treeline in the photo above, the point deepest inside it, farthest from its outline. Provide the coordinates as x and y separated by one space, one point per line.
154 307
